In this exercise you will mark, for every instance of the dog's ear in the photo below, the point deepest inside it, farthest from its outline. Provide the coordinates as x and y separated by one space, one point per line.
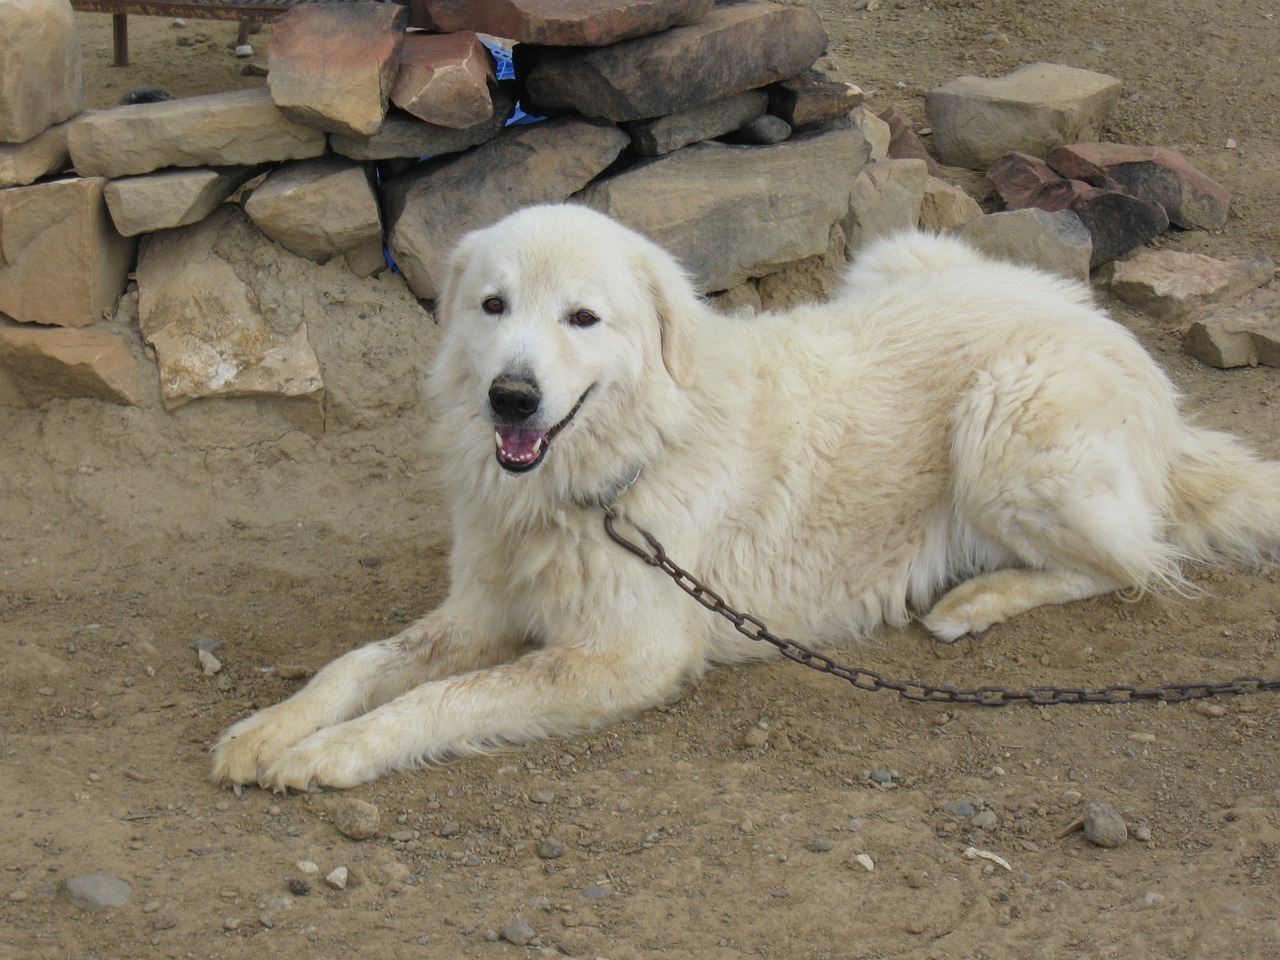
677 307
447 305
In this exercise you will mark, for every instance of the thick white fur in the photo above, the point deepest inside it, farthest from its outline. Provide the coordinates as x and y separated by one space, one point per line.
952 435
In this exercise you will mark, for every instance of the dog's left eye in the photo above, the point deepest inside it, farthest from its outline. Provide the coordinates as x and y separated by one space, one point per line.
492 305
583 318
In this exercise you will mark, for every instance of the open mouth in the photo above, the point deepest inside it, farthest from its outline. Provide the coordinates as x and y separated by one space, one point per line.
521 449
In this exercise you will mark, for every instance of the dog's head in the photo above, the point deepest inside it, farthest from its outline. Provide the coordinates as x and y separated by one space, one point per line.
560 329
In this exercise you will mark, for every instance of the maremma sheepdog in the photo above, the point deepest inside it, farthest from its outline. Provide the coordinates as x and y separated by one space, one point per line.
951 437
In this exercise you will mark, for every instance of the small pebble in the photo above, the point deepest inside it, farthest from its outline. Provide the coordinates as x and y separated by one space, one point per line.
402 836
450 829
881 776
754 737
550 848
337 879
209 664
151 906
819 846
958 808
1103 825
231 923
307 867
18 896
865 861
1143 833
986 820
97 891
297 886
519 933
356 818
164 921
597 892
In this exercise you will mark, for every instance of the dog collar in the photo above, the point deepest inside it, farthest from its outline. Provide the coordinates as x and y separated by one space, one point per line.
610 494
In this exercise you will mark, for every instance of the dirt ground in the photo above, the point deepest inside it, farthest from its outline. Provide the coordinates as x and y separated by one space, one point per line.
732 823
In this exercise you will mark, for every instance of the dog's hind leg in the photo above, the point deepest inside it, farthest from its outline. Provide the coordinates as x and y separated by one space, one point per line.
358 681
990 598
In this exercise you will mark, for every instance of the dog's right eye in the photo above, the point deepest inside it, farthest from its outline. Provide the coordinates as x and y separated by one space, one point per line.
492 305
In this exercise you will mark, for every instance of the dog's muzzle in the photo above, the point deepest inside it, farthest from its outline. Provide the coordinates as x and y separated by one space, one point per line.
515 401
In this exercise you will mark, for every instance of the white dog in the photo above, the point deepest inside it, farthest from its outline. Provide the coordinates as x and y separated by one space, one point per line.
949 427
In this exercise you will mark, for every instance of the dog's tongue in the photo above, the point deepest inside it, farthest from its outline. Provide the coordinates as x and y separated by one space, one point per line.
519 444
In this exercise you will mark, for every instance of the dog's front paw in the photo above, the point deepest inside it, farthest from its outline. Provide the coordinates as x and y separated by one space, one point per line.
334 757
249 747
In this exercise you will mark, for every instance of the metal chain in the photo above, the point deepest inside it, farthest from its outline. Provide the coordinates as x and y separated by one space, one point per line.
917 690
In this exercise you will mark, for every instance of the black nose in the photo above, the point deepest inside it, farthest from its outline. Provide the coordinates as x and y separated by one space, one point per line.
514 399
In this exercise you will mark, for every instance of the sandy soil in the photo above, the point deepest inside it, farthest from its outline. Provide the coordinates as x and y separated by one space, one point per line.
728 824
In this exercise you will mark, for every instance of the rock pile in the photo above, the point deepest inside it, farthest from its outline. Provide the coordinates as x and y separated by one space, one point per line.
387 130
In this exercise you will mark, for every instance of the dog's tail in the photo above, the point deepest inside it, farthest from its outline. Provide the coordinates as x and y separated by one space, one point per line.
1225 499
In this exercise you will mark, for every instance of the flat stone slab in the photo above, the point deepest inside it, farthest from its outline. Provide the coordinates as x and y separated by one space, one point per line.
738 47
976 120
1190 198
215 130
731 213
1174 286
887 198
404 136
319 209
43 154
62 261
97 891
331 66
1243 333
41 67
444 79
429 209
810 100
211 334
38 364
663 135
171 198
562 23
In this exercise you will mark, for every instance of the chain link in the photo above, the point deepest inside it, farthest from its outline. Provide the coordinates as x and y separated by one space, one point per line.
917 690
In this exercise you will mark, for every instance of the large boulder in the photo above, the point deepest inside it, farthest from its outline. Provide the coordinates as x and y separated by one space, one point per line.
43 154
429 208
1056 242
730 213
444 79
41 70
977 120
738 47
583 23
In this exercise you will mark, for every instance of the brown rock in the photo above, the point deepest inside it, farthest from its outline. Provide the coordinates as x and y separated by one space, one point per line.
331 66
945 207
444 79
1242 333
38 364
904 142
576 23
1174 286
321 208
172 198
811 99
429 208
43 154
215 130
1162 176
737 47
1026 181
41 69
886 198
1118 222
404 136
62 261
662 135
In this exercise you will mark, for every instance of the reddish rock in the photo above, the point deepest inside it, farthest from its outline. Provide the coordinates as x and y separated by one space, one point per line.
1024 181
559 23
738 47
1171 285
810 99
444 79
332 65
904 142
1157 174
1118 222
38 364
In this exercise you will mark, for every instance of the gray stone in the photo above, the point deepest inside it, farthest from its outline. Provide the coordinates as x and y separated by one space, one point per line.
583 23
321 208
404 136
331 66
97 891
874 130
1057 242
218 129
41 68
662 135
1173 286
550 848
976 120
43 154
790 195
38 364
172 198
520 933
1103 825
886 198
212 334
430 208
1243 333
1118 222
763 130
356 819
945 206
738 47
812 99
62 261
